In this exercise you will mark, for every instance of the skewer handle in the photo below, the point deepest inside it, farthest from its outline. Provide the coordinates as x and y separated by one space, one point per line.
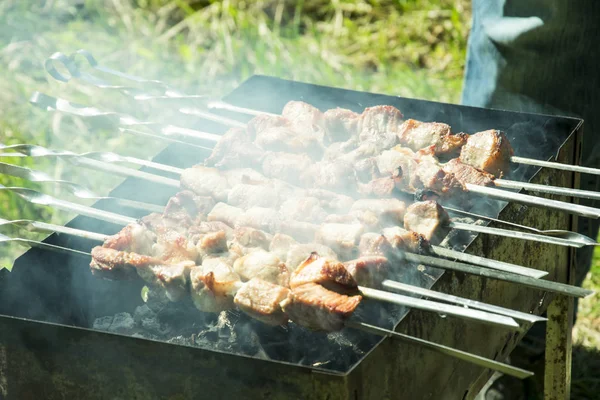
42 245
575 209
51 228
432 294
462 355
535 187
446 309
555 165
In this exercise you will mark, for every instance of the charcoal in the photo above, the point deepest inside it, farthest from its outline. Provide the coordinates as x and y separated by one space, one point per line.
122 323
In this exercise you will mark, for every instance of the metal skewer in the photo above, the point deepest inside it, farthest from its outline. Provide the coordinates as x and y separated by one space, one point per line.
36 197
42 245
403 287
212 104
39 198
570 239
463 355
77 190
50 228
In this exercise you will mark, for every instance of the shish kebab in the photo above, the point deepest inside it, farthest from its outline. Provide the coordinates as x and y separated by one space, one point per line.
171 93
459 354
261 188
167 132
101 161
549 286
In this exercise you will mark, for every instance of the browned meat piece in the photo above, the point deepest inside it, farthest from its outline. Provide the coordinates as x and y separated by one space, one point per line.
376 244
489 151
213 286
303 209
340 124
262 218
173 247
286 166
246 176
250 237
305 118
186 205
247 196
366 218
378 125
298 253
427 218
173 278
341 238
315 307
301 231
467 174
364 150
261 300
290 140
330 274
380 187
430 175
331 201
211 243
263 122
204 181
116 264
389 211
207 227
134 237
366 169
281 244
338 149
430 137
264 265
227 144
406 240
330 175
369 271
226 213
390 160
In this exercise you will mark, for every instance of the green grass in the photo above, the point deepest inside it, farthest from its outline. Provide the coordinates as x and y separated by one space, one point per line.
412 48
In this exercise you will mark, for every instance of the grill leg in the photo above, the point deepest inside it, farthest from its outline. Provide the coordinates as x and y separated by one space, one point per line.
557 377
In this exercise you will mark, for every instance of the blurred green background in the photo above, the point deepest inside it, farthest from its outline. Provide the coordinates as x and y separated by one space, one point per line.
411 48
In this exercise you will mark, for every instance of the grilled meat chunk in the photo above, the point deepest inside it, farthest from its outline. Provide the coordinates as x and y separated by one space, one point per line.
340 124
407 240
227 144
134 237
225 213
430 137
298 253
468 174
328 273
204 181
389 211
262 300
205 227
338 149
286 166
247 196
172 247
290 140
303 209
281 244
262 218
380 187
315 307
333 175
369 271
246 236
187 204
427 218
331 201
301 231
379 125
213 285
173 278
210 243
264 265
341 238
489 151
263 122
117 264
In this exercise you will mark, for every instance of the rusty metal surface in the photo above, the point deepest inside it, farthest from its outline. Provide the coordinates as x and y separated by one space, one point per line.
65 362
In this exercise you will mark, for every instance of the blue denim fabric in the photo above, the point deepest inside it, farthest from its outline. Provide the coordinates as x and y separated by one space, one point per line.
541 56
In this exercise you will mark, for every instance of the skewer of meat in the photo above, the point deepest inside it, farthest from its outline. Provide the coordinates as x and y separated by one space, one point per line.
381 184
261 310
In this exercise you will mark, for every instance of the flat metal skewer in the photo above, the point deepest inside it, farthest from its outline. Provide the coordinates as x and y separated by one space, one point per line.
439 348
403 287
42 245
541 284
77 190
555 165
36 197
51 228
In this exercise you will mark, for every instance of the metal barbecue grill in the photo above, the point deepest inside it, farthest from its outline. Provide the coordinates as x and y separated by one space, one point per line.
50 302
